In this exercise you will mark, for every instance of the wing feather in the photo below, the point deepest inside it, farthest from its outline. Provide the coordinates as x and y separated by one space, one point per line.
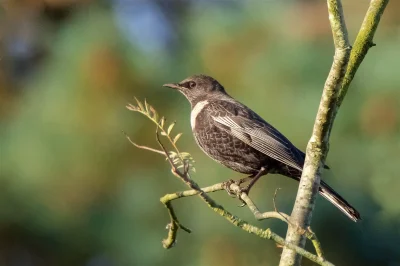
261 137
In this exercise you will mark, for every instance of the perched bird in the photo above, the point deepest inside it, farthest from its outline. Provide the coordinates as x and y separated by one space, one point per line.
235 136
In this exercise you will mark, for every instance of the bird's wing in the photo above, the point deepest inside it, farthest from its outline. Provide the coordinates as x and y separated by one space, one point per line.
260 136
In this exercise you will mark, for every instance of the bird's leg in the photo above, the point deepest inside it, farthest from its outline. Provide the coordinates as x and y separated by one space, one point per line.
246 189
244 180
263 171
253 179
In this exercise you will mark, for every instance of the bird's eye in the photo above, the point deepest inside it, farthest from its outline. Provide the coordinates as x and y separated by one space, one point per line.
192 84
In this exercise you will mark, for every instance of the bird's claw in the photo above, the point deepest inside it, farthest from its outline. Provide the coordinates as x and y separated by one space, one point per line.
243 203
236 194
244 190
227 186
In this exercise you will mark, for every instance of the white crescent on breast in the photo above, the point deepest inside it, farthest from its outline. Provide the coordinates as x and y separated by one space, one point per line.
195 111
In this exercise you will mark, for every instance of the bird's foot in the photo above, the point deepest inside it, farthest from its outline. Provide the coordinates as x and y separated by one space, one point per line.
247 188
227 186
244 190
236 194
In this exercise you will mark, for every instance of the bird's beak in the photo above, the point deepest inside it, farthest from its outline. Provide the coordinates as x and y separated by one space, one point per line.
172 86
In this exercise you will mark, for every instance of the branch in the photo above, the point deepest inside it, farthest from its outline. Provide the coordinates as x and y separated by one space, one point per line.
184 160
285 218
317 147
175 225
141 146
363 42
335 89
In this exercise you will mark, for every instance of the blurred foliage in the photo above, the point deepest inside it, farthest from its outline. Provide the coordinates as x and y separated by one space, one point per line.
74 191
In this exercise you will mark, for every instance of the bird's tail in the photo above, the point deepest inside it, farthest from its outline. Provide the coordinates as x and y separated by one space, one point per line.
328 193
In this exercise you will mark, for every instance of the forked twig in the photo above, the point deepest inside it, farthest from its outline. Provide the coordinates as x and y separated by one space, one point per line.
286 217
142 147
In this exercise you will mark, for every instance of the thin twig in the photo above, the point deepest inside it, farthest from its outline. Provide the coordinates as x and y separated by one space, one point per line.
172 227
285 216
165 152
317 245
273 199
308 233
143 147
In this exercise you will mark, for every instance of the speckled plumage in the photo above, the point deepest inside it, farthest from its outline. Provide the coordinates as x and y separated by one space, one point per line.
235 136
216 141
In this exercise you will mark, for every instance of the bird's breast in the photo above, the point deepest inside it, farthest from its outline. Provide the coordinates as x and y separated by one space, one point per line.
226 149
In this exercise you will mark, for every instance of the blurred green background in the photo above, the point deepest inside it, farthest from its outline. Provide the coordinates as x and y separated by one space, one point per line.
74 191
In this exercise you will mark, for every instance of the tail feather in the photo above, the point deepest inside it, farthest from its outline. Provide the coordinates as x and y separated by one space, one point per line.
332 196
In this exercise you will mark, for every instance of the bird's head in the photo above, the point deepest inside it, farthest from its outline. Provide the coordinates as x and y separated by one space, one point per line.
198 87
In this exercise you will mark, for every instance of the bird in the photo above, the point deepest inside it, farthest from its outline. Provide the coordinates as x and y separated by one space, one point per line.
235 136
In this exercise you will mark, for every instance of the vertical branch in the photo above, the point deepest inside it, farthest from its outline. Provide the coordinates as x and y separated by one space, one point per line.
318 145
362 43
345 65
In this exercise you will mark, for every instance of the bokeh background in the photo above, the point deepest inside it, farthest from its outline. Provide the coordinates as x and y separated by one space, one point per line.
74 191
